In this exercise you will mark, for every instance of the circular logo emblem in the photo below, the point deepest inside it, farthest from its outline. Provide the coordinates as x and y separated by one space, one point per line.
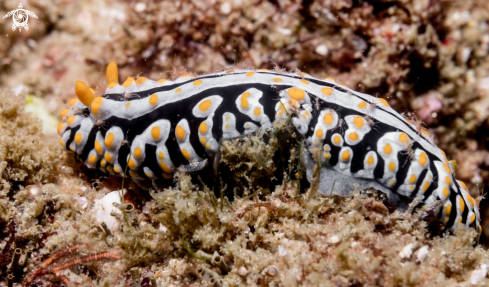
20 18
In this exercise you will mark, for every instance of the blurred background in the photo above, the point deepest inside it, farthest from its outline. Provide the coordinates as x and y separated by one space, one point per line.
429 58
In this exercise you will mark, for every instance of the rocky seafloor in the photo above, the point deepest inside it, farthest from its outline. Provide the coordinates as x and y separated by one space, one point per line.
428 58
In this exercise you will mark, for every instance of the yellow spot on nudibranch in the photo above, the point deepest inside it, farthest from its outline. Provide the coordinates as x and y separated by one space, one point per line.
296 93
138 152
249 74
186 154
423 158
205 105
327 91
108 157
448 181
227 127
141 80
353 136
337 139
362 105
328 118
198 82
78 138
319 133
203 128
64 112
127 105
128 82
109 168
203 140
208 145
161 155
103 162
71 120
153 99
178 90
60 128
447 169
164 167
472 218
131 163
257 111
327 155
244 100
453 165
462 205
387 149
392 166
345 155
61 142
358 121
72 102
425 132
370 160
403 138
109 138
96 104
426 185
277 80
330 79
383 101
180 132
161 81
412 179
98 147
116 169
446 192
471 200
155 133
305 82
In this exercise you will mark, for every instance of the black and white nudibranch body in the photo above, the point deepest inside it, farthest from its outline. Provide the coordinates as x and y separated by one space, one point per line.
154 127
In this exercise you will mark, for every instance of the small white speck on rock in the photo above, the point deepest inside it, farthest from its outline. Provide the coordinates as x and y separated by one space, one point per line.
322 50
225 8
277 203
334 239
242 271
422 253
282 251
477 275
272 270
33 190
140 7
407 251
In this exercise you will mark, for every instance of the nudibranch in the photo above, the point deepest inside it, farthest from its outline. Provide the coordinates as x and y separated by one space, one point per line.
150 128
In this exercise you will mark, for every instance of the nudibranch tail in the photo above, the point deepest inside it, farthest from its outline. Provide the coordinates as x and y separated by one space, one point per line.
152 128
